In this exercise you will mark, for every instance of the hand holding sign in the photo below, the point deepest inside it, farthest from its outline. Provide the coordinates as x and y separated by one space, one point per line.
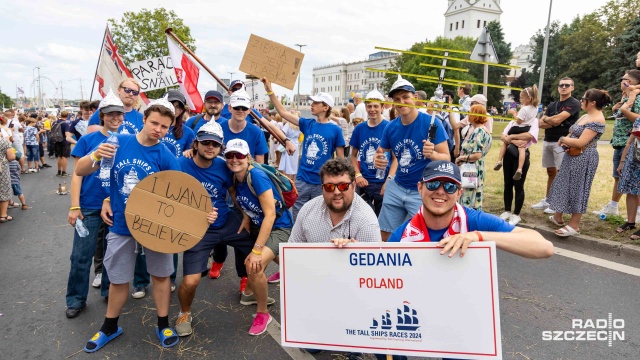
268 58
169 212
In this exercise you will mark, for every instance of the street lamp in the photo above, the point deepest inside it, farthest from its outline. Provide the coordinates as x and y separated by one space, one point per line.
299 74
231 77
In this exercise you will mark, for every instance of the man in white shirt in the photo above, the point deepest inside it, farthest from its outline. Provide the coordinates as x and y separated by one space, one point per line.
360 108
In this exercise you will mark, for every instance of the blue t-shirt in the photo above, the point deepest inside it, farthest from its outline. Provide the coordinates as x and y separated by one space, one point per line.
405 141
366 140
320 142
201 122
94 190
178 146
216 179
133 163
476 220
132 123
251 134
250 204
226 113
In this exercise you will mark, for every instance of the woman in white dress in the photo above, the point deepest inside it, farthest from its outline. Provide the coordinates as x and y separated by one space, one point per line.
289 163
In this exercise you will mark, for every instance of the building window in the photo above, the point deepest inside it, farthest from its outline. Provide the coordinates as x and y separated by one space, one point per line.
451 26
485 23
456 25
478 24
463 24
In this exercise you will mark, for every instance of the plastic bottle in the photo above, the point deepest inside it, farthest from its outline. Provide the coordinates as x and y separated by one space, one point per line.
107 163
380 173
81 229
603 216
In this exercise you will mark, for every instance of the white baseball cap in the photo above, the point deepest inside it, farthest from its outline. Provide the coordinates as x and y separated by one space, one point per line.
479 98
322 97
237 145
240 98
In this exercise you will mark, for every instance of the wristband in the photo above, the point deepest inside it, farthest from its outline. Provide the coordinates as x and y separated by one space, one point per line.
256 252
94 157
358 175
391 177
479 235
74 208
107 200
269 92
258 246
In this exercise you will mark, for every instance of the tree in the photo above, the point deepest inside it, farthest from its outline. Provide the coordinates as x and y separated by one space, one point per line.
552 69
623 56
525 79
5 100
141 36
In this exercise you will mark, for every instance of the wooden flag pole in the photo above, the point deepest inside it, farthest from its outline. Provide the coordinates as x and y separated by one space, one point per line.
264 123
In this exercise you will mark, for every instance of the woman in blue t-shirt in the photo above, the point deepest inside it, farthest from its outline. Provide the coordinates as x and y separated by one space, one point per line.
321 140
270 224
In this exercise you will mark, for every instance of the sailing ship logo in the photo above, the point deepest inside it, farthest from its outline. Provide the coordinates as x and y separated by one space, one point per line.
407 319
370 154
312 150
130 181
405 158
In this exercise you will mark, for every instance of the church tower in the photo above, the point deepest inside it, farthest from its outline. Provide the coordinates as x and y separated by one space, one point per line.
469 17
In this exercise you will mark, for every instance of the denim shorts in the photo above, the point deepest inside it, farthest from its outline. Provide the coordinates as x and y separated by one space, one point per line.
17 190
398 205
33 154
120 259
617 156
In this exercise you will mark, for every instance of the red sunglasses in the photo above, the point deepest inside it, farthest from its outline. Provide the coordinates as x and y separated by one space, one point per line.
236 155
332 187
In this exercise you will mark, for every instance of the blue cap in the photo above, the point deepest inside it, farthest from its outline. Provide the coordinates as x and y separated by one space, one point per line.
213 94
442 169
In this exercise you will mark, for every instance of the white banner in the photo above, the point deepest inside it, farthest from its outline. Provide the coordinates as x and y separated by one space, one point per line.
402 299
156 73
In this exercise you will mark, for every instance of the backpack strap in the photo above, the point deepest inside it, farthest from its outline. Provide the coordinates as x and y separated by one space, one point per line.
196 121
253 191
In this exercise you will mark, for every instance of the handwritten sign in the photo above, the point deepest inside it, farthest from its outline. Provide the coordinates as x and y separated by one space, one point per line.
156 73
401 299
268 58
167 212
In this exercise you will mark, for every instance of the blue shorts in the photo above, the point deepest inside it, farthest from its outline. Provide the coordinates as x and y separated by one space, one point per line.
17 190
398 205
617 156
33 153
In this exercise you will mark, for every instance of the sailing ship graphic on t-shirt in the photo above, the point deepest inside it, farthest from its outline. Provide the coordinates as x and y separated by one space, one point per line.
312 150
104 173
371 152
405 158
129 182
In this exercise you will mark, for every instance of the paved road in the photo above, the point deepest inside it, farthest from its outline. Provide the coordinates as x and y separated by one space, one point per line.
34 260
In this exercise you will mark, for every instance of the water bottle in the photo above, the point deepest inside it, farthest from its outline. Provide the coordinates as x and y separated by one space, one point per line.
81 229
380 173
107 163
603 216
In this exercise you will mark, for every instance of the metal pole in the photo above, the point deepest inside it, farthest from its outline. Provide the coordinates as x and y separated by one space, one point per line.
299 76
39 88
544 54
95 75
81 94
231 77
486 78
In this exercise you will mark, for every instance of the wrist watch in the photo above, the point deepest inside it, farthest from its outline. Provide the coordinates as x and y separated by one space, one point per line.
391 177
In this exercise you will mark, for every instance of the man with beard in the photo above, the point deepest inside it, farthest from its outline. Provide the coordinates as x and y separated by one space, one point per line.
212 106
128 92
337 215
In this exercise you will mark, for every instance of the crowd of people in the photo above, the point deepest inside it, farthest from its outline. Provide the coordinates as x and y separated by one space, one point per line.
369 172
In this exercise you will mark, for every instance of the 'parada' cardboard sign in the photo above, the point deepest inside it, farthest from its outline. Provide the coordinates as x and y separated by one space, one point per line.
277 62
167 212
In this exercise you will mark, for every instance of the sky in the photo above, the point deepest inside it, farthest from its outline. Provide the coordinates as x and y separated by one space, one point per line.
63 37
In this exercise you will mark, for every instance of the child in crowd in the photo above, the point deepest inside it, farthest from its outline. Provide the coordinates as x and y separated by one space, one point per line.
14 169
31 142
522 124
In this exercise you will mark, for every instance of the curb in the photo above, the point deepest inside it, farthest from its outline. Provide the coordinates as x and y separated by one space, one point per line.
611 250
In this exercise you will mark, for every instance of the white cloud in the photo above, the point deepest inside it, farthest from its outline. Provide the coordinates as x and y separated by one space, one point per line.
67 52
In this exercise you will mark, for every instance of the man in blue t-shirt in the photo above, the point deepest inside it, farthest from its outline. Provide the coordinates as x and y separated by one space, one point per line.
364 142
87 195
212 111
238 128
129 92
441 219
321 140
226 109
414 140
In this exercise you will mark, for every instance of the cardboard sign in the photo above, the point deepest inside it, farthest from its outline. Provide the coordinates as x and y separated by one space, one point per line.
394 298
156 73
167 212
275 61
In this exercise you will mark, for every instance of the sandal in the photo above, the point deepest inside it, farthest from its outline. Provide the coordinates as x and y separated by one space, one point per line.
25 207
626 227
14 205
100 339
4 219
168 337
498 166
635 235
553 220
568 231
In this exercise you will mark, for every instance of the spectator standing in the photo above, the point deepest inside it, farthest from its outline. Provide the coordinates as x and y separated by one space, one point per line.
7 154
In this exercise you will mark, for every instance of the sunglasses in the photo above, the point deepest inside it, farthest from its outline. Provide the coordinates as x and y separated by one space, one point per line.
332 187
236 155
215 144
448 186
564 85
241 108
130 91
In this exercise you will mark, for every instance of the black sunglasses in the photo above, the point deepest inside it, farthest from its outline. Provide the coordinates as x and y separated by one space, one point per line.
215 144
564 85
241 108
236 155
332 187
448 186
130 91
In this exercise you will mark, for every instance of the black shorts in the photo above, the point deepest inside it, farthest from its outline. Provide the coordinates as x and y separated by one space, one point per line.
62 149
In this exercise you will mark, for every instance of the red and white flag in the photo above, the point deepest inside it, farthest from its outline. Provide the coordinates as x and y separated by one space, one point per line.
187 74
111 68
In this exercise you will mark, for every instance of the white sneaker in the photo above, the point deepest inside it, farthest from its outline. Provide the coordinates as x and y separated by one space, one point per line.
173 287
543 204
608 209
97 281
505 215
549 211
514 219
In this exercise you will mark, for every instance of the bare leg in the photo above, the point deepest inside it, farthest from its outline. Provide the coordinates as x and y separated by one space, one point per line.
118 294
503 150
632 207
161 294
574 222
187 291
258 281
521 157
615 195
385 235
551 173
